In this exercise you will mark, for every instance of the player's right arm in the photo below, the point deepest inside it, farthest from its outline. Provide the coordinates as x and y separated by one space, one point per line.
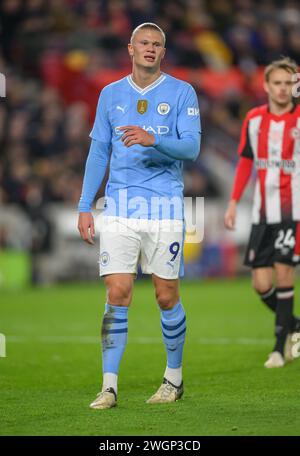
95 168
242 175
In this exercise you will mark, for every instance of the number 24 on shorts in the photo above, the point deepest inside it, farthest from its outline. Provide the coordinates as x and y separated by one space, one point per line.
285 239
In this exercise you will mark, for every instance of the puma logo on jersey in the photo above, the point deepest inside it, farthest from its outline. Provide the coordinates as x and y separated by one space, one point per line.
121 109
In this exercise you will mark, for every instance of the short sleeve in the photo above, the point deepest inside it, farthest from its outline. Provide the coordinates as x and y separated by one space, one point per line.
101 130
188 113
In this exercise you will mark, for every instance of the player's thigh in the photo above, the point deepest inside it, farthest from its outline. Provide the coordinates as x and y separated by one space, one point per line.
260 248
161 250
166 291
262 279
119 247
284 274
119 288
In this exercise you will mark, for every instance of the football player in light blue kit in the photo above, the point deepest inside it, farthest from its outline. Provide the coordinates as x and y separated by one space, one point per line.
146 124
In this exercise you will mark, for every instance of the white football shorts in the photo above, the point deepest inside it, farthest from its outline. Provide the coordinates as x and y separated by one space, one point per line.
156 244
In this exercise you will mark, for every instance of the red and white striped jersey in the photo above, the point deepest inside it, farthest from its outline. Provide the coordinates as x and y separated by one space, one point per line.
273 142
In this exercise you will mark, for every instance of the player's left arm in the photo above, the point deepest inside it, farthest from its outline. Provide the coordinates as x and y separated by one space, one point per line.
186 145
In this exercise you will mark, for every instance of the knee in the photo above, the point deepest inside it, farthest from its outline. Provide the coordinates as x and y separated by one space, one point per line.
119 294
166 299
284 275
261 286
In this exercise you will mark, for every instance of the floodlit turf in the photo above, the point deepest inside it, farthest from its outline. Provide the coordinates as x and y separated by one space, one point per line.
52 369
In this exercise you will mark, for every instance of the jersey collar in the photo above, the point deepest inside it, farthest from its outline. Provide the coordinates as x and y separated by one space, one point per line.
281 116
143 91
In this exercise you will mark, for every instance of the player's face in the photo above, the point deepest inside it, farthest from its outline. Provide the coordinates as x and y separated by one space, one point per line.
147 49
279 87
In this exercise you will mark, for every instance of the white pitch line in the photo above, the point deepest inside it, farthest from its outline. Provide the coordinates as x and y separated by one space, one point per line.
136 340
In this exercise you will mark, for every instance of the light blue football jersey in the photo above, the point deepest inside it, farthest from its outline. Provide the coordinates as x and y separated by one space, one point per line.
141 177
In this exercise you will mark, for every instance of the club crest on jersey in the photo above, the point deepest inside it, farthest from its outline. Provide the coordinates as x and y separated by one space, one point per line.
295 133
163 108
142 106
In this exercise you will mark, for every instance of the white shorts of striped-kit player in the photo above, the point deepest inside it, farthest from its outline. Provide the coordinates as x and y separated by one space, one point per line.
156 244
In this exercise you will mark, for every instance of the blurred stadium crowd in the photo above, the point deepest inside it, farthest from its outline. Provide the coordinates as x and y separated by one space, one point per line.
56 55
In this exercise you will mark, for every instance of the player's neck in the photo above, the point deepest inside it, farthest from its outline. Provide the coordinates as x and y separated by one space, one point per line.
143 78
279 110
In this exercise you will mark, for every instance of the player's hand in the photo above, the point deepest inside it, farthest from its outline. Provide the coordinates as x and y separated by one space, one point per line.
136 135
86 227
230 215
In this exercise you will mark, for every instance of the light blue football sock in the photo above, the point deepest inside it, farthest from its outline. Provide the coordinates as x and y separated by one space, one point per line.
173 326
114 337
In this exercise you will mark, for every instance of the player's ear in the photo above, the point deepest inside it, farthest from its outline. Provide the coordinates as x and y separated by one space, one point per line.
164 53
266 86
130 49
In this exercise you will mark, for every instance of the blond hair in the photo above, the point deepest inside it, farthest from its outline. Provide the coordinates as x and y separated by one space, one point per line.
285 63
148 25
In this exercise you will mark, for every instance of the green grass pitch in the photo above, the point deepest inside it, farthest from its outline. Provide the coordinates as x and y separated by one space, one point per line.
52 370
